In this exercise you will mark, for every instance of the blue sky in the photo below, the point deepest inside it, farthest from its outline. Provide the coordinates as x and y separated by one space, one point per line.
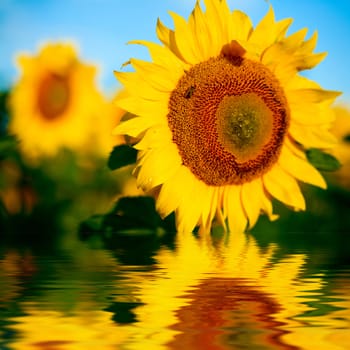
101 29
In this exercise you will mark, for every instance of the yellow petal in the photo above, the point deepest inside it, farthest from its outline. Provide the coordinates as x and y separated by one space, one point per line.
209 204
308 62
163 33
312 136
201 32
167 37
280 62
309 46
300 82
237 219
155 137
157 110
213 20
170 194
268 31
293 41
162 55
284 187
224 15
184 39
158 165
241 26
312 113
135 85
267 205
221 209
134 127
287 55
161 78
311 95
194 198
282 27
252 201
300 168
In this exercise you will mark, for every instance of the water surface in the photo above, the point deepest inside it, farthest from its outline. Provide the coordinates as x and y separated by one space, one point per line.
178 292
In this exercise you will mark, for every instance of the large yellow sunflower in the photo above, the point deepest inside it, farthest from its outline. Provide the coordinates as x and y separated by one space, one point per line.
54 101
224 118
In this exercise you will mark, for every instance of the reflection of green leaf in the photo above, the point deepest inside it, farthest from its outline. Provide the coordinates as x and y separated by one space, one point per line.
122 155
321 160
123 312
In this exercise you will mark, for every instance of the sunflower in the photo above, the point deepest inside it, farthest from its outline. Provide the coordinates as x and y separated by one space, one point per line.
53 101
224 118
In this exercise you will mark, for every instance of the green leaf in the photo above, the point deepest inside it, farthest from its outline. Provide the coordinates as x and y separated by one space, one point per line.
121 156
132 213
322 161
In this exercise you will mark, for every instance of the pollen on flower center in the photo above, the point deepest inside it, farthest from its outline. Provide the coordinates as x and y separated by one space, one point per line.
228 118
53 96
244 125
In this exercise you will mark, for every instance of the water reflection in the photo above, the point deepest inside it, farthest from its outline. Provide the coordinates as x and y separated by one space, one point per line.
210 297
196 294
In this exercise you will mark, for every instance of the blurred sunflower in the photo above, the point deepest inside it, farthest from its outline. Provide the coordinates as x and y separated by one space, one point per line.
224 117
341 129
108 116
54 101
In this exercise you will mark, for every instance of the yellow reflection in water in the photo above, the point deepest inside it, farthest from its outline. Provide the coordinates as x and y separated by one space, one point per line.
328 331
224 297
230 295
52 330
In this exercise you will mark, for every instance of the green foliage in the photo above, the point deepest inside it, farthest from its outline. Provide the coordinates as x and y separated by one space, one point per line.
130 215
321 160
322 230
121 156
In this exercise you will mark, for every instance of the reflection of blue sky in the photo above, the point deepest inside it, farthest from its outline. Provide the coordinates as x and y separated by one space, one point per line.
101 29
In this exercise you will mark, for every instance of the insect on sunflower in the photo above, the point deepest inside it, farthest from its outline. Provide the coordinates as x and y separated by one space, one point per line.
223 117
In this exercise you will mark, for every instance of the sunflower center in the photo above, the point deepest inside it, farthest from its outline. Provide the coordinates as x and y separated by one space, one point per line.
53 97
244 125
228 118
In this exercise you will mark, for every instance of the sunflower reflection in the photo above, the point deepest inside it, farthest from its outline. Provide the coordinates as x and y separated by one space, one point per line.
206 296
203 294
86 329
